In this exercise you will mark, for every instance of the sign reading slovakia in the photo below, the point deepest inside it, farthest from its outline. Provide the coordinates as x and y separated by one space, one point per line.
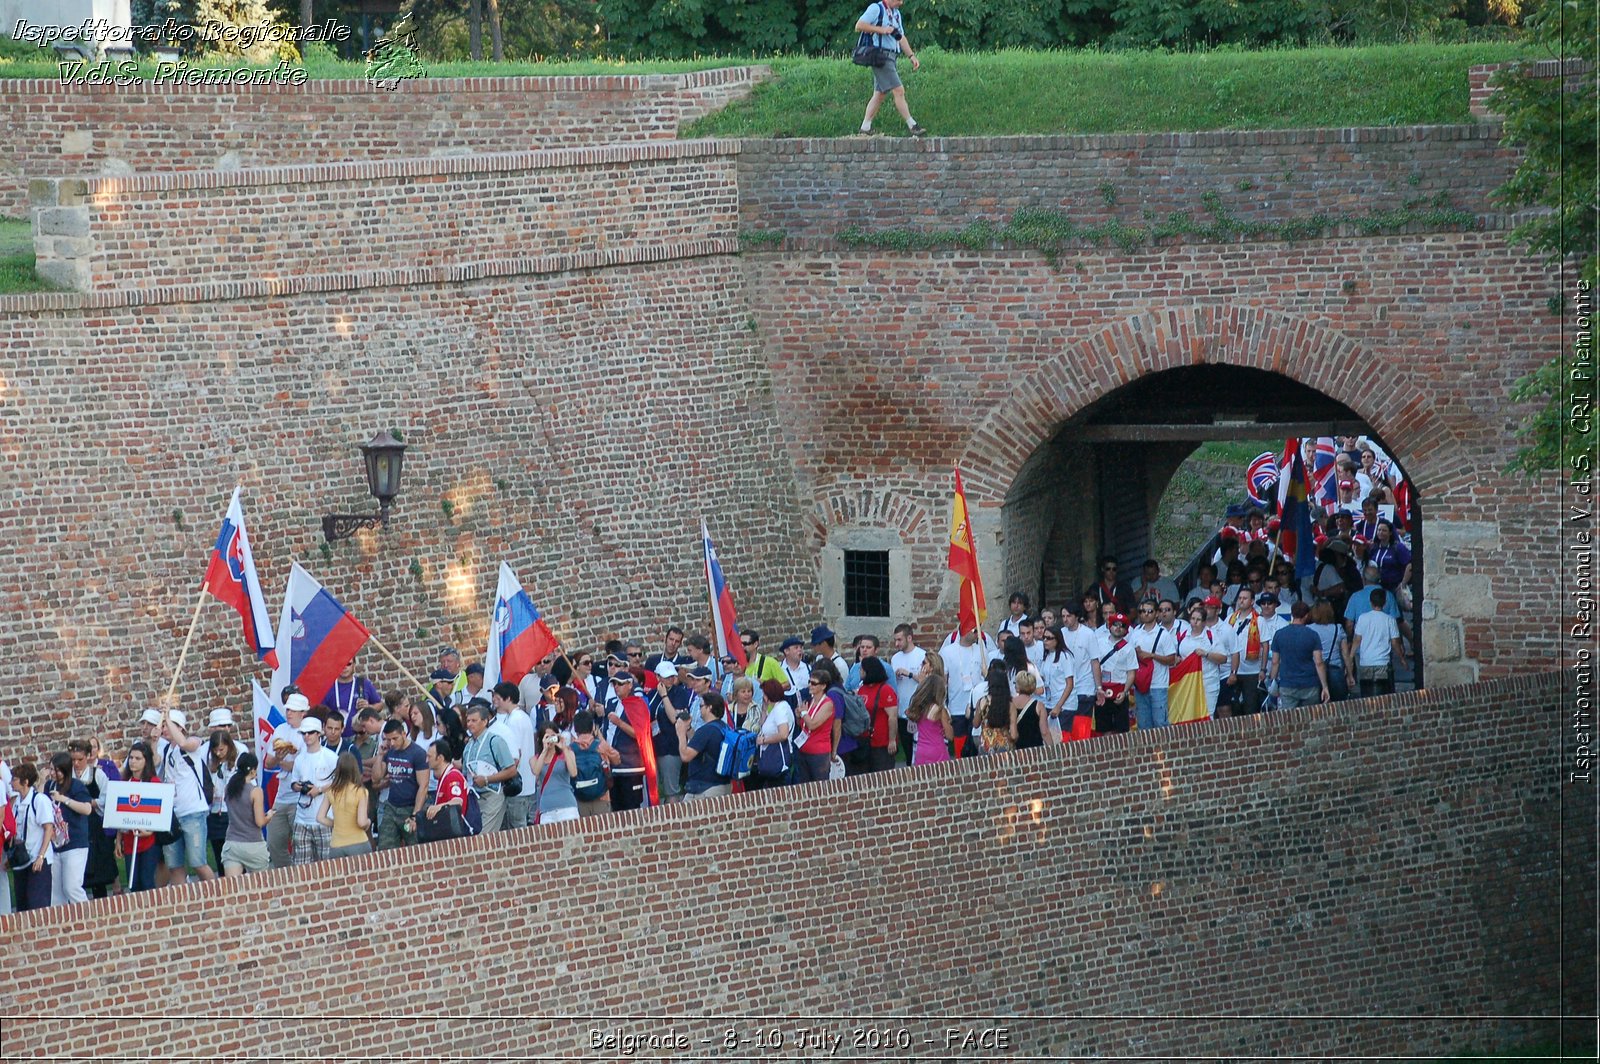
134 806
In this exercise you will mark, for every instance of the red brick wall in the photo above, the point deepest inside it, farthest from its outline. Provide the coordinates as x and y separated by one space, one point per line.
157 230
1381 865
570 414
976 359
57 131
1577 74
815 188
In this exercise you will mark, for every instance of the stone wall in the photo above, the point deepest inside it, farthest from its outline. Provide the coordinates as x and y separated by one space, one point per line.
59 131
217 228
1353 881
1577 73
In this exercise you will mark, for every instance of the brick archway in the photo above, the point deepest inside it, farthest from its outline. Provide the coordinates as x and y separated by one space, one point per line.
1159 340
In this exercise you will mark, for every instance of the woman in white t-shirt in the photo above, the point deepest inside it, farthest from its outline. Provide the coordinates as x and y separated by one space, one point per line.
1056 667
36 826
777 726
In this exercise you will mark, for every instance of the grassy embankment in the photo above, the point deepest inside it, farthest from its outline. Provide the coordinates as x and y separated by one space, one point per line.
1013 92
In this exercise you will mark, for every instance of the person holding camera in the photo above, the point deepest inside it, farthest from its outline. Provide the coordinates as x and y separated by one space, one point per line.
882 23
311 776
554 769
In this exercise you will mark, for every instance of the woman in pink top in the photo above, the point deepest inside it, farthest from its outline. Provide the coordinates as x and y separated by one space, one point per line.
927 715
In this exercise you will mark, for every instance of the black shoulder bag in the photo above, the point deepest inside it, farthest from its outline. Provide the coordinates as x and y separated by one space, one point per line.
868 53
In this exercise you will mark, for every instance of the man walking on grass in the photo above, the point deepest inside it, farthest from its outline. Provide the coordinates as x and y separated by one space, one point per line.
882 23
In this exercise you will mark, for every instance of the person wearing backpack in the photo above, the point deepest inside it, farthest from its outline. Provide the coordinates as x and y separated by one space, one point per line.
592 757
703 749
36 828
880 26
73 804
175 761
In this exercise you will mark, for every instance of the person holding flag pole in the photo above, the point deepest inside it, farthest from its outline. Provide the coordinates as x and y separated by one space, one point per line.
967 652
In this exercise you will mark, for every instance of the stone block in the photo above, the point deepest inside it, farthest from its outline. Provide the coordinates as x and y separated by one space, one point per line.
61 221
1441 642
77 142
1462 595
64 272
1450 673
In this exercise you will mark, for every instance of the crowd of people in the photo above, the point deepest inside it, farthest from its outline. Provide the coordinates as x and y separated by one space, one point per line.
619 727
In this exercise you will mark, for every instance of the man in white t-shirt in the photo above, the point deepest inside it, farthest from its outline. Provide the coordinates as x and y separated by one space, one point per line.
1159 646
1032 645
1118 662
284 745
904 667
1377 648
1219 653
516 728
312 775
1083 649
797 674
180 762
965 661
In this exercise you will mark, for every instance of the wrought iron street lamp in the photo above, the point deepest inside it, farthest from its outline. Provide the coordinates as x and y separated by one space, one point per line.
384 456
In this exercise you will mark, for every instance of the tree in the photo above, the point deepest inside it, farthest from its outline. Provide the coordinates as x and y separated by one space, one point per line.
1553 120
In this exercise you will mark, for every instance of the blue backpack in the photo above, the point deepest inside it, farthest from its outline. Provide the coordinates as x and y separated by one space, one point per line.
590 783
738 754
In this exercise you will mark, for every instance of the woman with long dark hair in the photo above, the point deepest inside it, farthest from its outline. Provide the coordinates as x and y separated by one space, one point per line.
72 856
222 760
998 728
138 848
244 849
1056 669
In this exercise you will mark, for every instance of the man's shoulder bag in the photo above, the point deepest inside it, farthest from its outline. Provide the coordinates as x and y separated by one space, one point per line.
868 53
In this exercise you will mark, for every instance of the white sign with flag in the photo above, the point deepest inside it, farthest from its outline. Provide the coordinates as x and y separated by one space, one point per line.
135 806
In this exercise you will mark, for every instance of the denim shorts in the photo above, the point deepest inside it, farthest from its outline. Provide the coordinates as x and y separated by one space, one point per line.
189 851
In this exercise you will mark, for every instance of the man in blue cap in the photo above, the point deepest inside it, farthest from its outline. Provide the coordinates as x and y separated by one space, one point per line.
822 647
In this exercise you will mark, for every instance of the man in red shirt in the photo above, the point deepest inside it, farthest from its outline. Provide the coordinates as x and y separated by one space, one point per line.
452 784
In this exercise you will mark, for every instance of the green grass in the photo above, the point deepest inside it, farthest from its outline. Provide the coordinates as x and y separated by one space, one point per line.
1018 92
16 258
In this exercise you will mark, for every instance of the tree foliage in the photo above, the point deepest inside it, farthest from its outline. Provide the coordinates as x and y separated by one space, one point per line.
1553 120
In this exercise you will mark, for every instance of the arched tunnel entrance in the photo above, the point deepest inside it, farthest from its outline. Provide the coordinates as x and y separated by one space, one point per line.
1094 487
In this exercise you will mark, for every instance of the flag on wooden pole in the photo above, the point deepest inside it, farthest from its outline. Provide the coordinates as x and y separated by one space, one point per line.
963 561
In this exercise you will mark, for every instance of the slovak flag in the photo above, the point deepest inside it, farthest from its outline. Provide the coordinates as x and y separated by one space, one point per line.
231 578
317 638
723 618
268 717
139 803
518 637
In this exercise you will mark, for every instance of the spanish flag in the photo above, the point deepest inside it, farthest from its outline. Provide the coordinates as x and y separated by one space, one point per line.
1186 690
964 563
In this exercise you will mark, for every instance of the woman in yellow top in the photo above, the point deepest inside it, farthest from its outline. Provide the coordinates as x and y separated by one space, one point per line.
345 811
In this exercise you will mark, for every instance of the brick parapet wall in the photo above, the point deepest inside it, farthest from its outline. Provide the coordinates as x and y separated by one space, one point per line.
162 230
1350 881
816 188
1576 72
56 130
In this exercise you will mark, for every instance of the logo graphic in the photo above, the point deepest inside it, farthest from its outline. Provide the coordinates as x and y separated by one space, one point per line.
394 57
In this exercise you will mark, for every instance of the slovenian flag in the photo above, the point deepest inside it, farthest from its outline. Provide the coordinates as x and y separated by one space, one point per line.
231 578
317 638
268 717
724 620
518 637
